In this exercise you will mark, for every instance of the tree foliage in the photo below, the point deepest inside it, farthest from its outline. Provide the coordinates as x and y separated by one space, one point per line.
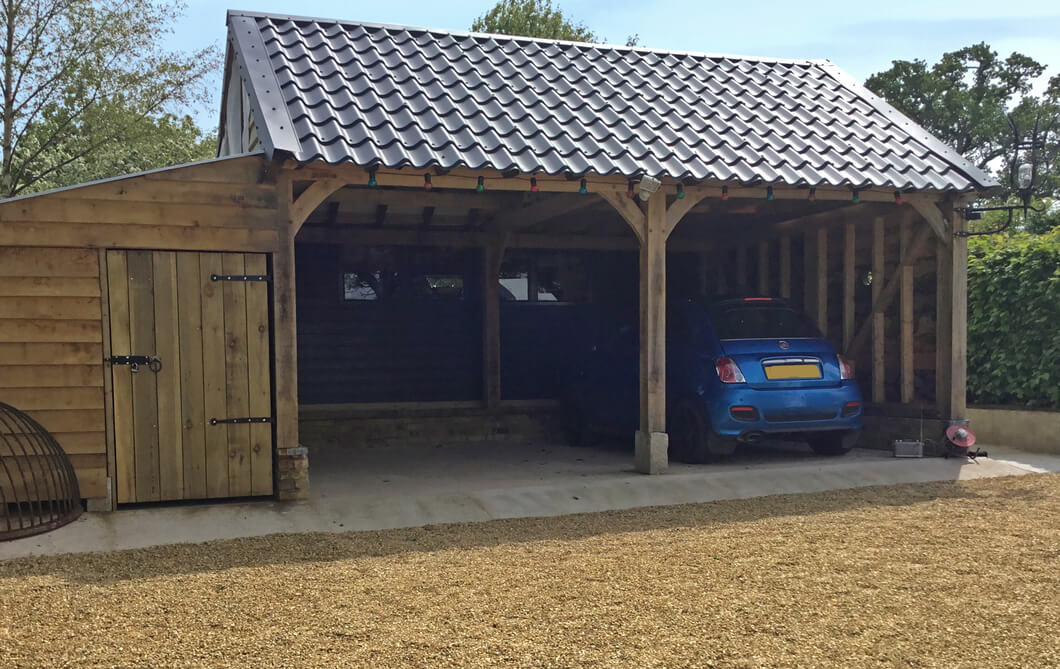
1013 312
965 99
537 18
532 18
88 91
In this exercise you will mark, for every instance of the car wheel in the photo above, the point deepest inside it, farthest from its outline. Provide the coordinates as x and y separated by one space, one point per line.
838 442
691 437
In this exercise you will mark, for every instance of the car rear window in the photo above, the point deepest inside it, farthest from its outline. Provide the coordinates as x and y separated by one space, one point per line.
761 322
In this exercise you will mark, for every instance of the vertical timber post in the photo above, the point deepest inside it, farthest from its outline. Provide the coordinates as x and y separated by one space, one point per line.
492 253
959 318
879 250
292 460
651 442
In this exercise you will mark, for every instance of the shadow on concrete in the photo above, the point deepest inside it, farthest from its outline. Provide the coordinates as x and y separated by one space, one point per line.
288 551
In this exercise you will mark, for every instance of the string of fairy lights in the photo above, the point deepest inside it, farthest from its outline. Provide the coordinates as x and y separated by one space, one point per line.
631 191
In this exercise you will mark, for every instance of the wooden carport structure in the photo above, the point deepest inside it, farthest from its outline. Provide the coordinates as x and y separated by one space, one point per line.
779 177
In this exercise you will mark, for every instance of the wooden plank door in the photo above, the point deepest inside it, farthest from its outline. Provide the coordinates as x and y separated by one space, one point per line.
207 321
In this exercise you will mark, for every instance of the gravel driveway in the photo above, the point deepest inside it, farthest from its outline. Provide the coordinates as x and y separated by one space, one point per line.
946 574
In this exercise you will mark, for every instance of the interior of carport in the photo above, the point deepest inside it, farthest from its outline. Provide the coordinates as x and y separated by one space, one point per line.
432 313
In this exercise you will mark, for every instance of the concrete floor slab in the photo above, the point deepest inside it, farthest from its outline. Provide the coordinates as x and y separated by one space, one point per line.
369 489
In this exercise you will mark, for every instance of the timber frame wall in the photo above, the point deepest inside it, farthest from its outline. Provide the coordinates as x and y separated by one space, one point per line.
54 313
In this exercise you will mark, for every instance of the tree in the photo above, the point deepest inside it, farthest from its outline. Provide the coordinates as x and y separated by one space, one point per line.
965 100
531 18
88 91
536 18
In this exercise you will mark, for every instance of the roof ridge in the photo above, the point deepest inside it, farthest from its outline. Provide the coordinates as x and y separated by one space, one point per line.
523 38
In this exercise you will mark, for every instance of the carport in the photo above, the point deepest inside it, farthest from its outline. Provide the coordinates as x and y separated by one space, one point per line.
478 157
411 227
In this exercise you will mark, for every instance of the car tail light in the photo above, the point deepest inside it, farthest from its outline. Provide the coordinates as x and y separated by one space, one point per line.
729 371
851 409
744 413
846 370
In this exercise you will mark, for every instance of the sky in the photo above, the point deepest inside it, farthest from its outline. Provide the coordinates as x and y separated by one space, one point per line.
861 38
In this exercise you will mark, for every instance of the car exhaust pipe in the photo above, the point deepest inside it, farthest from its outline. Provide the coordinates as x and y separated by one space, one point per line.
751 437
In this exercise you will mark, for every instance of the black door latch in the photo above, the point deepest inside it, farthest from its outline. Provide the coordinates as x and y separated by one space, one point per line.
152 362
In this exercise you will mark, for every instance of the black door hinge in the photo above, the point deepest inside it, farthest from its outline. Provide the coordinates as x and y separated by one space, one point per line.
240 421
239 277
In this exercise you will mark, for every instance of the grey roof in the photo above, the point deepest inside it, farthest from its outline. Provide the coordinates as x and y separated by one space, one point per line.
370 94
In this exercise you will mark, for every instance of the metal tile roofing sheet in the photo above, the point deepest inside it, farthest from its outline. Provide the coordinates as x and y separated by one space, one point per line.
396 96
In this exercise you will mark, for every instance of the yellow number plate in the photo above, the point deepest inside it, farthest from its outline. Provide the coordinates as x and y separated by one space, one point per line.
793 372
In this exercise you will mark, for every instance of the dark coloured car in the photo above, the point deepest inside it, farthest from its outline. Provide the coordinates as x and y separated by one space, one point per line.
738 370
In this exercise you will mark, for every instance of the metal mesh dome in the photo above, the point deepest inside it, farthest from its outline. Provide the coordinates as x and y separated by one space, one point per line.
38 486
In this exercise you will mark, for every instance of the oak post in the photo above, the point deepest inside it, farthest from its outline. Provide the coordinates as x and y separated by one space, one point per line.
906 307
651 442
849 282
959 318
492 254
878 368
292 482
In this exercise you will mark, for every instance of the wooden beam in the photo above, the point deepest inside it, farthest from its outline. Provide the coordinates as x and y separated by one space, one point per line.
785 267
822 280
878 334
629 210
544 208
493 180
680 207
906 350
887 295
849 282
418 236
933 215
311 198
763 268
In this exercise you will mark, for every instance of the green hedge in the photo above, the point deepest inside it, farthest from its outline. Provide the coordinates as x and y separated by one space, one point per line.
1014 320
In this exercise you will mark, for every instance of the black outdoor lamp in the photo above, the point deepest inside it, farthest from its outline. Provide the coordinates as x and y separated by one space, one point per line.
1023 176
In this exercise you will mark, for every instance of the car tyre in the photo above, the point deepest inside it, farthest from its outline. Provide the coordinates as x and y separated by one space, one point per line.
838 442
691 437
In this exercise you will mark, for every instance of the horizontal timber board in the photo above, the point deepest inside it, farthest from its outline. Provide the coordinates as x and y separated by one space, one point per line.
158 237
82 442
39 286
250 169
91 480
40 353
50 331
59 210
51 376
50 308
50 262
171 191
60 421
30 399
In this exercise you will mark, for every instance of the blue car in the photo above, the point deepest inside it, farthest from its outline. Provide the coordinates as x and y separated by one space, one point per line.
738 371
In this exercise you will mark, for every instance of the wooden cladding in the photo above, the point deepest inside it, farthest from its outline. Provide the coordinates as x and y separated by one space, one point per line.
51 352
212 338
211 206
